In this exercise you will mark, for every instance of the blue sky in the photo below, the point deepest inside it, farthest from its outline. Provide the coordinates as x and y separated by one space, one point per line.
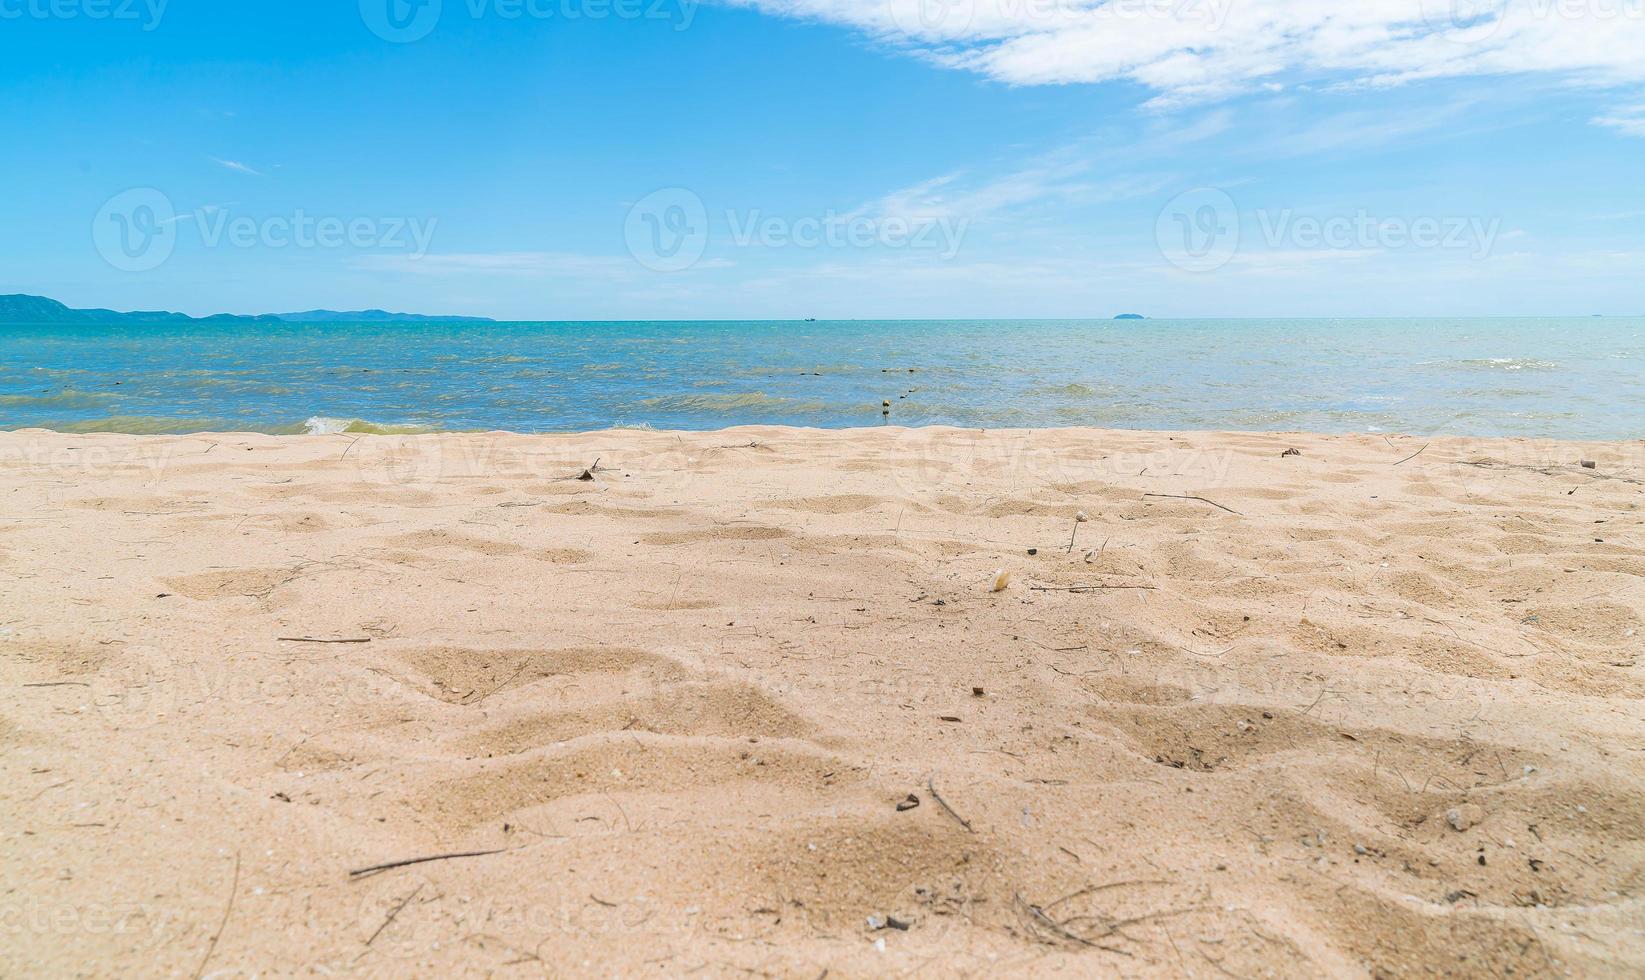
591 159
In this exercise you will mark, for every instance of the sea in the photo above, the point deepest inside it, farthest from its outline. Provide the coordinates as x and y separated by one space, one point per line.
1567 378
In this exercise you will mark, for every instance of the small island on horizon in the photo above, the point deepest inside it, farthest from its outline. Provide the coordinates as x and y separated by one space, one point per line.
19 308
1130 316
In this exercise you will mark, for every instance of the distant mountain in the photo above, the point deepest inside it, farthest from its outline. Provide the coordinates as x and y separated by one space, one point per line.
20 308
373 316
37 309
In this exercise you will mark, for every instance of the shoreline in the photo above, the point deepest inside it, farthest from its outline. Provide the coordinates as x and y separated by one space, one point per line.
386 430
743 696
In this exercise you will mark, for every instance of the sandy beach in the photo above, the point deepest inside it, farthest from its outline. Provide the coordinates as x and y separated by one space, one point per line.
745 703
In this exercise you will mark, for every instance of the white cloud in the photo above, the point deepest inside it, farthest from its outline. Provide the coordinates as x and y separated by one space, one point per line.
1087 172
1195 50
955 197
237 167
1629 120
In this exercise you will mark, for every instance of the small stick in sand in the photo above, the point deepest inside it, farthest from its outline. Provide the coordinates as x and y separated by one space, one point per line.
311 639
391 916
1213 503
391 865
228 908
1414 455
930 785
1057 929
1088 588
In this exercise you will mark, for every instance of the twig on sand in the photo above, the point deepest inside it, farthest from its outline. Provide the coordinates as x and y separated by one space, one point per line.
499 687
1093 889
393 914
1414 455
228 908
1038 916
1497 464
391 865
1079 518
313 639
931 786
1109 925
1086 588
60 684
1178 496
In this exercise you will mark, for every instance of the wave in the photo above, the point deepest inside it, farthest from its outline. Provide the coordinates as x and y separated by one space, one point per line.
1071 390
1507 364
150 425
67 398
730 402
321 426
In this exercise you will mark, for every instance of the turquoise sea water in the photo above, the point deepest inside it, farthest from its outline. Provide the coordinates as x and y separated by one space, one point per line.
1562 378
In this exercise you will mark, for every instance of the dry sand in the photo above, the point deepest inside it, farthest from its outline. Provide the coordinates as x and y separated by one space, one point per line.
684 699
